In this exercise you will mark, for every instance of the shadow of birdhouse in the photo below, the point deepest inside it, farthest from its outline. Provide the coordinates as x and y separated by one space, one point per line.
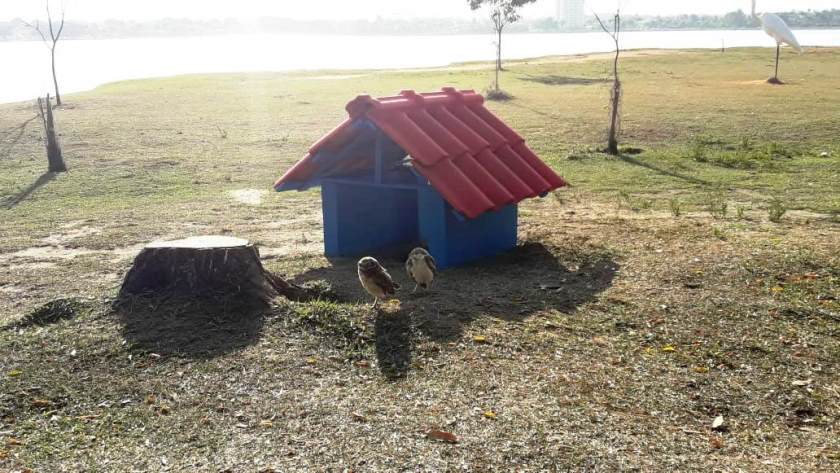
513 287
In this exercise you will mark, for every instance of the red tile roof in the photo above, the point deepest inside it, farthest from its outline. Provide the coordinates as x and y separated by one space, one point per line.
466 152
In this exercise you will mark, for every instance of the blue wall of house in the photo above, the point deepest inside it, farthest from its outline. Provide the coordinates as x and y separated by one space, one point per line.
371 219
454 240
361 218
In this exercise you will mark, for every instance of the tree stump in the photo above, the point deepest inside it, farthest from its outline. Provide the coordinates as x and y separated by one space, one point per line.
205 267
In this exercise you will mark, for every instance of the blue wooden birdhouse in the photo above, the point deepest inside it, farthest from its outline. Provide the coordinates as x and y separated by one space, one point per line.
437 169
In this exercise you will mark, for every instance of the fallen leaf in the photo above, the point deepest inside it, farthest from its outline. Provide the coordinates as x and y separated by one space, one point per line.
716 441
480 339
490 414
3 455
13 442
15 373
363 364
804 382
165 410
601 341
151 399
442 436
41 403
358 417
777 289
311 361
717 423
701 369
668 348
266 424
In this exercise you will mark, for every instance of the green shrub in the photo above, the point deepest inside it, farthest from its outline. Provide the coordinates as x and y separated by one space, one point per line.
716 204
676 207
777 210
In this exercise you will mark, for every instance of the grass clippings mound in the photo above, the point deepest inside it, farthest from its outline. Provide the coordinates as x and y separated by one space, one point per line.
53 312
498 95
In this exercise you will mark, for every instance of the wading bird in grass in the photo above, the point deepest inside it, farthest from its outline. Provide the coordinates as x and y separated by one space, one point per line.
421 268
376 280
777 28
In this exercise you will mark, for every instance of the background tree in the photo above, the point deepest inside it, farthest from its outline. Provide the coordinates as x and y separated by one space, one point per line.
52 42
502 13
54 157
615 94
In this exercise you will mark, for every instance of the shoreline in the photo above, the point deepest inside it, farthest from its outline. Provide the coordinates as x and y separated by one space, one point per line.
341 70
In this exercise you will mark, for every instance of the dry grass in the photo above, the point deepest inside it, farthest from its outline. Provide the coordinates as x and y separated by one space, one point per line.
609 340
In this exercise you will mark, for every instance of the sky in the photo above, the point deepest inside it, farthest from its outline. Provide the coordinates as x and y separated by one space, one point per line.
97 10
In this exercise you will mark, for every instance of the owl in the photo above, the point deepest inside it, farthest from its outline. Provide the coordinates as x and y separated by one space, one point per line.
376 280
421 268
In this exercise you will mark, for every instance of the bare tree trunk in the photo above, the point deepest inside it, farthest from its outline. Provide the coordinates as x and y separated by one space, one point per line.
615 95
612 142
499 51
52 42
55 78
54 158
498 59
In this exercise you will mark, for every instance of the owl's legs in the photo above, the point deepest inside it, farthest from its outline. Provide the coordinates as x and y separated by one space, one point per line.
415 288
375 303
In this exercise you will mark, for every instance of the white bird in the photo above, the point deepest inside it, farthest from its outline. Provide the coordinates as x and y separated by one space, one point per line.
776 28
421 268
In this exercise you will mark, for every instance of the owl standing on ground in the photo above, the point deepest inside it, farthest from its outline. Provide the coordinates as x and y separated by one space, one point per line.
376 280
421 268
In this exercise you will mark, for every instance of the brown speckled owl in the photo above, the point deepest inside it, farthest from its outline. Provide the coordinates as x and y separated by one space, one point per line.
376 280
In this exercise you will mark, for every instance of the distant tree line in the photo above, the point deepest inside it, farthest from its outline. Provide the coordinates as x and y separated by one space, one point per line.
17 29
733 20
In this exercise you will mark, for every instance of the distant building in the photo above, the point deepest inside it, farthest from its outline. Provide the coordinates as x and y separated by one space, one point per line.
570 14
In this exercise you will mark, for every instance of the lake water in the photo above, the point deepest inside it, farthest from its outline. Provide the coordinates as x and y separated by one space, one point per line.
85 64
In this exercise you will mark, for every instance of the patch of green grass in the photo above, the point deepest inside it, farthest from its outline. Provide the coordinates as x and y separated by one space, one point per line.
338 322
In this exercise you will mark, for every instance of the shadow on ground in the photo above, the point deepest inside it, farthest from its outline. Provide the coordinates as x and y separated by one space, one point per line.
186 328
393 344
554 79
629 159
15 199
13 136
512 287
